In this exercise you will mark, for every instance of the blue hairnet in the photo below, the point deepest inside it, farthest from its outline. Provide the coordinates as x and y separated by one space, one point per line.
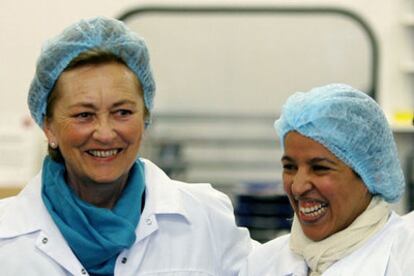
353 127
96 33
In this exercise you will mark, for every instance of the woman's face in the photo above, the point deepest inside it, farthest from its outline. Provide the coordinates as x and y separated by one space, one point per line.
97 121
325 193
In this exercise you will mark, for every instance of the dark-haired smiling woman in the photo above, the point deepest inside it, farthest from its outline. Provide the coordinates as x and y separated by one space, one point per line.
96 208
340 172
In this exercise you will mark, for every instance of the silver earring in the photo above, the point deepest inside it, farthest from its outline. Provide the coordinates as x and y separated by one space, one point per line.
53 145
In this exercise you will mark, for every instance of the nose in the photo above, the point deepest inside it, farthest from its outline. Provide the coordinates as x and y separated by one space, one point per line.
301 183
104 131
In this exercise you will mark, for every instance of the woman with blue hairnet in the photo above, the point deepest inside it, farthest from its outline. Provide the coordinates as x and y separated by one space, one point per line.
340 172
95 208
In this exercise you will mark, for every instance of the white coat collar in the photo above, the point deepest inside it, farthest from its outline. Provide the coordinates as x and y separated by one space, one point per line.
372 257
162 195
26 213
290 263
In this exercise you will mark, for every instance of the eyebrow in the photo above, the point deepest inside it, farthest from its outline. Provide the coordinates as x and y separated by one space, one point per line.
312 161
322 159
87 105
122 102
286 158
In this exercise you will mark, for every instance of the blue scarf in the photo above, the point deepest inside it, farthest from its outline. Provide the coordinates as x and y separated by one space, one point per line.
96 235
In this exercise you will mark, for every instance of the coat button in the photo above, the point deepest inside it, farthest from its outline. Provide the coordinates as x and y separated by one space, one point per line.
148 221
124 260
45 240
83 271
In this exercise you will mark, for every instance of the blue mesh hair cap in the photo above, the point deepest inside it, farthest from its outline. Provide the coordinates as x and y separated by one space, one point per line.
353 127
101 33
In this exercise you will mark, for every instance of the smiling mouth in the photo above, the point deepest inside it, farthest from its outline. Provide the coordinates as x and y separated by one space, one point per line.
312 210
104 153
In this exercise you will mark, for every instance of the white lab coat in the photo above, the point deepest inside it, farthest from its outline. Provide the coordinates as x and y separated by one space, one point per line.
389 252
409 218
184 230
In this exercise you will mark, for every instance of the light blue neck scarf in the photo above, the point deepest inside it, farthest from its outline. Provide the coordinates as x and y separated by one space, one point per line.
96 235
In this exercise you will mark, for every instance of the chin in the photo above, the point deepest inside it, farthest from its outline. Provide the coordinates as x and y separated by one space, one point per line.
315 234
105 179
318 236
315 238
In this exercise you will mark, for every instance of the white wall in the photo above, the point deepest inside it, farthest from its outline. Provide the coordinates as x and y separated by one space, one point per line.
24 25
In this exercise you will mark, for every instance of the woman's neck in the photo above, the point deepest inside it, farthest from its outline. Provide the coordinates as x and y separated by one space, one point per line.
103 195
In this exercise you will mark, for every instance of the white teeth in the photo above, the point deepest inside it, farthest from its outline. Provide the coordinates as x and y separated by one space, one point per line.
314 210
103 153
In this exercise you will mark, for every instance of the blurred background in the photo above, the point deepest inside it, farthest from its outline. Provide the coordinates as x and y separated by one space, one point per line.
223 70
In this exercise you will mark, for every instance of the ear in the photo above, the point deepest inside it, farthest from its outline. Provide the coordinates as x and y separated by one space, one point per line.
48 130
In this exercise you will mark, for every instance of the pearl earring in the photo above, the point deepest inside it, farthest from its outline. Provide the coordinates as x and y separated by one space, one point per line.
53 145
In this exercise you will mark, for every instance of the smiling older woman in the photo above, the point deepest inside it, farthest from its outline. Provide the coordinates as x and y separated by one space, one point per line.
340 170
96 208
